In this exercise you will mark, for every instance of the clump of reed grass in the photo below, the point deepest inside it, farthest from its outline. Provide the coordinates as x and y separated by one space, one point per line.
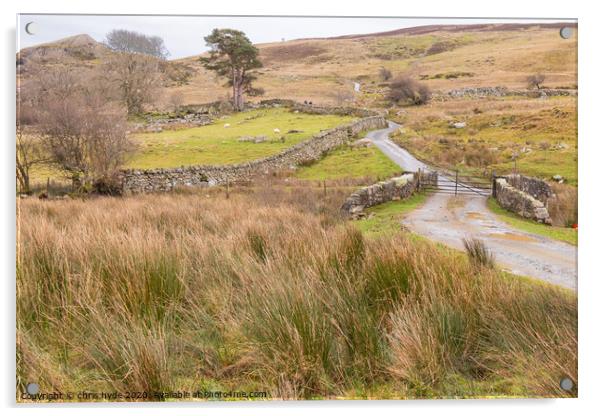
189 290
478 252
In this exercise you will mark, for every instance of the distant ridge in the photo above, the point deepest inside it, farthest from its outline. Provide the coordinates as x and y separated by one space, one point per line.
481 27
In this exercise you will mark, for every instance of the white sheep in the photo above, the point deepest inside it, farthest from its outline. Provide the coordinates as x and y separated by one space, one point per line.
277 131
226 125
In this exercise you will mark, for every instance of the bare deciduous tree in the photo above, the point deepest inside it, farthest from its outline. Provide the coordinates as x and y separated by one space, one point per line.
29 152
127 41
535 80
81 131
176 99
136 78
404 89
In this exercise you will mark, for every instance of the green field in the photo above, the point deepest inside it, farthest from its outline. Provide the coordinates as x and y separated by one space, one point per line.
349 162
568 235
387 217
218 145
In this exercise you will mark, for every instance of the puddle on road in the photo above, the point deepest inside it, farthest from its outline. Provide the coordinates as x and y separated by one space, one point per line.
455 202
475 215
513 237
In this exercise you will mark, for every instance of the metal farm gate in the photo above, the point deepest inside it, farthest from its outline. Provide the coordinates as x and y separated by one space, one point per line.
456 184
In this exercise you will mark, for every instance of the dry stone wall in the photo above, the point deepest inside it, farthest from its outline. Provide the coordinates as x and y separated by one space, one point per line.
473 92
161 180
537 188
316 109
524 196
393 189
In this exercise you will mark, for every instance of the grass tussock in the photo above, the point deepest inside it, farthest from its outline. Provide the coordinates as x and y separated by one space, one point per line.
563 207
478 253
195 291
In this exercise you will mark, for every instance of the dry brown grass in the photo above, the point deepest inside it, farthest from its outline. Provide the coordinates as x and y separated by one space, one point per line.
312 69
563 207
270 290
540 134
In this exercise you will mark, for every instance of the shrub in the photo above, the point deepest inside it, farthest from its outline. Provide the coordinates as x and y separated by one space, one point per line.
403 90
478 155
535 80
384 74
439 47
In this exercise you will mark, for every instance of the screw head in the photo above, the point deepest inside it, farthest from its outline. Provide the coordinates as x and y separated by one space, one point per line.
566 384
566 32
32 388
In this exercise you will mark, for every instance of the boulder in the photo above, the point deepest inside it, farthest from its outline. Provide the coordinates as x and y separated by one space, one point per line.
260 139
362 143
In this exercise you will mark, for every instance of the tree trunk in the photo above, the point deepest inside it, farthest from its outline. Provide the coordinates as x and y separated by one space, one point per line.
234 81
237 90
23 178
240 98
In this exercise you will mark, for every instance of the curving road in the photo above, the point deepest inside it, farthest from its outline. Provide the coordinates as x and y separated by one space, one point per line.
448 219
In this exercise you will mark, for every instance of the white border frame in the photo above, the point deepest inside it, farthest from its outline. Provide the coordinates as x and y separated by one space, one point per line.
590 221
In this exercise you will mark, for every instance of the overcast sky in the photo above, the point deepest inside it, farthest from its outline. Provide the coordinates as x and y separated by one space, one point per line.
183 35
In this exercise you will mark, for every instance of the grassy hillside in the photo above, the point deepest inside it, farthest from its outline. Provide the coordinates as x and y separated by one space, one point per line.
175 292
321 69
541 135
216 144
83 55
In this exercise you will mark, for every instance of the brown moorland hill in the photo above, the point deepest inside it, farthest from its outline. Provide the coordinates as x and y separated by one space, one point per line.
447 57
324 70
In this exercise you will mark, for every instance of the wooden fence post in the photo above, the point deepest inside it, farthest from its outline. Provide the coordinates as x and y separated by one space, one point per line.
493 184
456 192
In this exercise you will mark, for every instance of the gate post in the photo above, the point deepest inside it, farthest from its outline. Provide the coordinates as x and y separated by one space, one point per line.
418 184
456 191
493 177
